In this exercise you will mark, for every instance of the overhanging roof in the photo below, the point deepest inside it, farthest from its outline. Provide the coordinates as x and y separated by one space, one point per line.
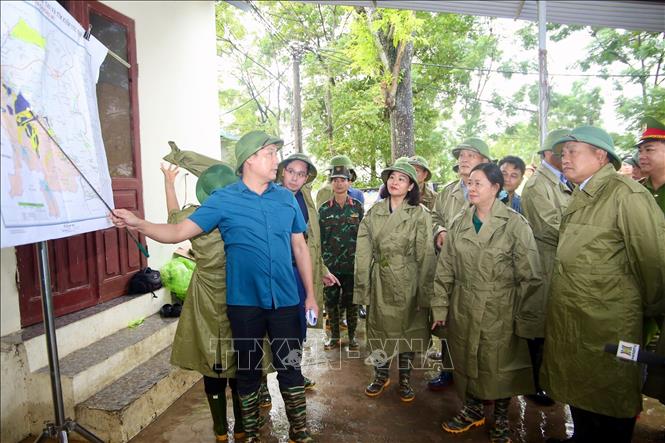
638 15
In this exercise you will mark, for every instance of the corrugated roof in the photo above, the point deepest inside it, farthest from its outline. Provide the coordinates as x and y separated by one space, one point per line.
638 15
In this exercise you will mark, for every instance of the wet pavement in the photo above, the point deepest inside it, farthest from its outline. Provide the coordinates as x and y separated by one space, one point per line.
339 411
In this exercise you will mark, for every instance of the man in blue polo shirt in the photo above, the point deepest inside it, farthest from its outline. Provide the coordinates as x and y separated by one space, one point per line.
261 225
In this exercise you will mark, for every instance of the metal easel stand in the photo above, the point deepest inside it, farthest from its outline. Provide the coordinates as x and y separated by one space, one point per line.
62 427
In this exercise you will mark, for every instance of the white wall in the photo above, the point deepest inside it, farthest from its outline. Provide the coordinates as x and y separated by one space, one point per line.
177 94
10 317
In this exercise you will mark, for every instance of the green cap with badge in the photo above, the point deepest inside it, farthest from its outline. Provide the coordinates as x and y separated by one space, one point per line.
593 136
342 160
418 160
552 137
252 142
473 144
311 167
215 177
401 165
340 172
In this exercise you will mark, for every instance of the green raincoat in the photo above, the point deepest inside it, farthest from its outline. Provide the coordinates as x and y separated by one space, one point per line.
427 197
609 272
314 243
482 280
543 201
203 337
394 269
449 202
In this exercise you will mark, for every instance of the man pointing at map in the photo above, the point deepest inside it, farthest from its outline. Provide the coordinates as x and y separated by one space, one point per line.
261 223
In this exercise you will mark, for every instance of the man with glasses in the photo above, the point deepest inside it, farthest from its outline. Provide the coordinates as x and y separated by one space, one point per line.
262 227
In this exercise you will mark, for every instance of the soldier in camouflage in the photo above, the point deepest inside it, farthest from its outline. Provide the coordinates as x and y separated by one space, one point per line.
339 219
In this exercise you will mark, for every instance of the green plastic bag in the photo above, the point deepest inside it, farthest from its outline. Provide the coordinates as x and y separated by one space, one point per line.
176 275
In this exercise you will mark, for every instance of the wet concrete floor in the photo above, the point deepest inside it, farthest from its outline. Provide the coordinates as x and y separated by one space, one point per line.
339 411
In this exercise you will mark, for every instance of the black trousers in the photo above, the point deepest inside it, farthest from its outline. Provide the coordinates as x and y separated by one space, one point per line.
249 326
591 427
216 386
536 353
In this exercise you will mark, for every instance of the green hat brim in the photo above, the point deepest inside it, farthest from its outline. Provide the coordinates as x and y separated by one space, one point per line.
311 167
410 171
215 177
257 140
594 141
422 165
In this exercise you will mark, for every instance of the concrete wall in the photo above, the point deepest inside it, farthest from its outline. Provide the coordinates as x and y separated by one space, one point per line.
177 87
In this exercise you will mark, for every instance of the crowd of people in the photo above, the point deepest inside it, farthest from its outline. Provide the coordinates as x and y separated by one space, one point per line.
525 291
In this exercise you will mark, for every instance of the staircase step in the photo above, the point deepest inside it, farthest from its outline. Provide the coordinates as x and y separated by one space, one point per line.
87 370
118 412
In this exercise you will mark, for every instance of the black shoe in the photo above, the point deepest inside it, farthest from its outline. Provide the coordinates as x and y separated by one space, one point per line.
542 399
362 312
377 386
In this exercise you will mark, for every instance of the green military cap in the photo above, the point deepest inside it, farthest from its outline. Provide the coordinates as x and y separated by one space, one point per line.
654 130
311 168
417 160
593 136
215 177
340 171
552 137
192 161
473 144
252 142
343 160
401 165
633 159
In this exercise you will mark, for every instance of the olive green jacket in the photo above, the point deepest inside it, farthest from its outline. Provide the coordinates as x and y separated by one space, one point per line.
427 197
482 281
319 270
609 272
449 202
394 270
544 199
203 337
324 194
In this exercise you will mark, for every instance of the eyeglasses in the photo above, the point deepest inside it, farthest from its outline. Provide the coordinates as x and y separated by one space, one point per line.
298 174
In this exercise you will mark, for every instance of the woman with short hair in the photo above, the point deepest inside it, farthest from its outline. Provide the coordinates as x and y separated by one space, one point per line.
486 272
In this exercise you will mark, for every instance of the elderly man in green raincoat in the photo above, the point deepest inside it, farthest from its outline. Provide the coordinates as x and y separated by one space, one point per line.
609 273
544 198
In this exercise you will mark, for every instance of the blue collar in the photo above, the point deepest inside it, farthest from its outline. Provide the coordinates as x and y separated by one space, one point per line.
243 187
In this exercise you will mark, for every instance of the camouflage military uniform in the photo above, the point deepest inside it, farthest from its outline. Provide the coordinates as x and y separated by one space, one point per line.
339 229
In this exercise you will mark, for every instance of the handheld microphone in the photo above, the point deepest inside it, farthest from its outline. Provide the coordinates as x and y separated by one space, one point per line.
632 352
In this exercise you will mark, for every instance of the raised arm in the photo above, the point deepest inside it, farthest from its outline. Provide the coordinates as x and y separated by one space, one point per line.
162 232
170 173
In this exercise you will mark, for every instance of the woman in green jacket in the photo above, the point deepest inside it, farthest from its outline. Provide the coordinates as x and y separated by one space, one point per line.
486 270
203 321
394 266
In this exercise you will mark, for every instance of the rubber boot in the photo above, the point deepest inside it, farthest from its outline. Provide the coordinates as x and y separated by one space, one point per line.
265 400
500 431
217 404
238 428
380 383
296 411
406 392
469 417
249 407
333 319
352 323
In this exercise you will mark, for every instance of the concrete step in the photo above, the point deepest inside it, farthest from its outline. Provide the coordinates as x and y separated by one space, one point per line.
92 368
118 412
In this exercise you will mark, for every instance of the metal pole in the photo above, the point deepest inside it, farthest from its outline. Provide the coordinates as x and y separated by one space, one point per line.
543 89
297 114
51 341
62 426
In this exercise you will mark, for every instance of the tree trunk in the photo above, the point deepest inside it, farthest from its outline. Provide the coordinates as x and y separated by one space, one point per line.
329 114
401 115
297 114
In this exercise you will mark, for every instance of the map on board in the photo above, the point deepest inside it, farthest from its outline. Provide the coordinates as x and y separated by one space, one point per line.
48 77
